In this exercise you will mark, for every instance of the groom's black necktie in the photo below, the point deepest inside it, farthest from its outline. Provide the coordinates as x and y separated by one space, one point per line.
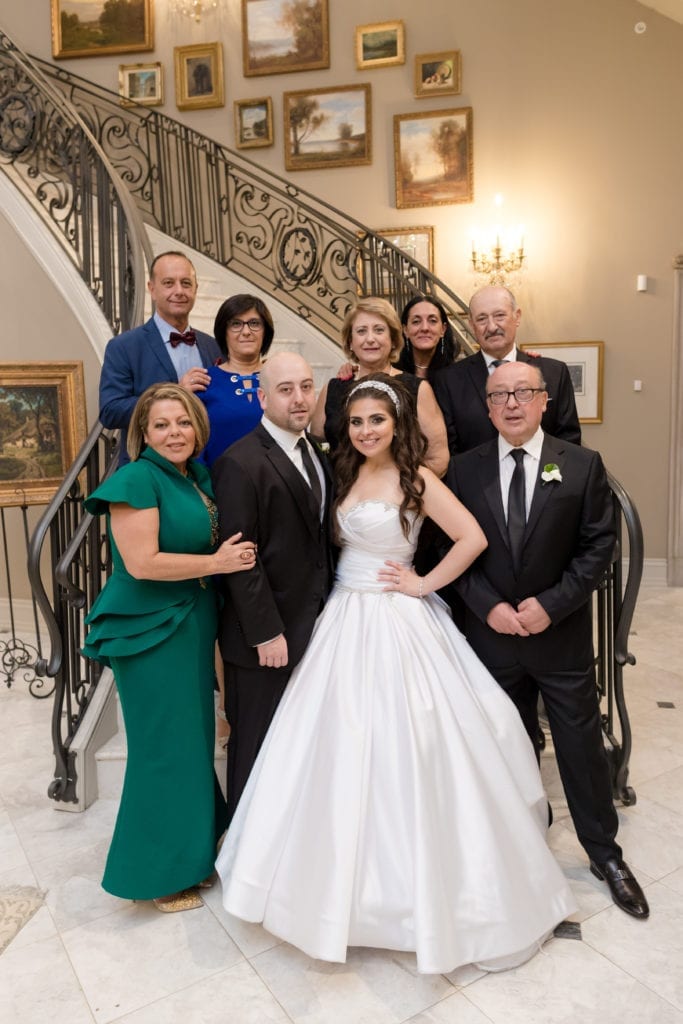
310 470
517 509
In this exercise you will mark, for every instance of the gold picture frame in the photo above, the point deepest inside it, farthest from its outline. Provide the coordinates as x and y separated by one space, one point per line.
279 36
105 29
253 123
438 74
199 76
42 427
433 163
141 84
415 242
333 124
381 45
585 361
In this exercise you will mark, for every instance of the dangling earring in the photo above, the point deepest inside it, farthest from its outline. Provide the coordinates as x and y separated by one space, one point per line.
442 346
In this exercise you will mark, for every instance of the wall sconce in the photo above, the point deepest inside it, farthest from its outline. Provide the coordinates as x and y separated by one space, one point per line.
503 255
193 8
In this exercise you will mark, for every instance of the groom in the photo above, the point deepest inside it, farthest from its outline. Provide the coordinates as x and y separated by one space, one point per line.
546 510
274 487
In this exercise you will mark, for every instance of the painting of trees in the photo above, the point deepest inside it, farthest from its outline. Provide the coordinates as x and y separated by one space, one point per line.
84 28
433 158
284 35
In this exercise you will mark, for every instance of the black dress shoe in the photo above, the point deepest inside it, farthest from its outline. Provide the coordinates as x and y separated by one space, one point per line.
625 890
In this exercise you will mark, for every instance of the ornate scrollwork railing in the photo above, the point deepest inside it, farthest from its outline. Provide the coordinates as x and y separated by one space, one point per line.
57 164
308 255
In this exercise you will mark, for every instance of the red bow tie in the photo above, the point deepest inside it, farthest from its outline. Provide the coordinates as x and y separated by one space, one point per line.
189 338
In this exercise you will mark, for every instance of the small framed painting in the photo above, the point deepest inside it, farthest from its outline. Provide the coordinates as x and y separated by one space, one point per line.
141 83
42 427
284 35
437 74
198 76
327 127
381 45
88 28
433 158
253 123
584 361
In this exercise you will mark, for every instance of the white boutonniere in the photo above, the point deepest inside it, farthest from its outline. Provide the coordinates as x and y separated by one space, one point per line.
551 474
323 447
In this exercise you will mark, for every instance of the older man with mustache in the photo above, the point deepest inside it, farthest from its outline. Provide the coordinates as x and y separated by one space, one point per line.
460 389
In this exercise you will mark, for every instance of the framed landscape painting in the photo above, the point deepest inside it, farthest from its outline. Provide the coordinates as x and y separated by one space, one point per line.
42 427
253 123
198 76
86 28
284 35
381 45
433 158
327 127
141 83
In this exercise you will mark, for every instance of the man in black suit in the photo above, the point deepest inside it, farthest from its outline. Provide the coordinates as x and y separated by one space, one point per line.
460 389
546 510
274 488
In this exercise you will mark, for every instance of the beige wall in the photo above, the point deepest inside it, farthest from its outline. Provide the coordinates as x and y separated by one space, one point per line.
576 122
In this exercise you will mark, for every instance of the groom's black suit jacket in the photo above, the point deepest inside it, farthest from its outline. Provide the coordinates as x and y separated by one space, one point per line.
568 543
260 492
460 390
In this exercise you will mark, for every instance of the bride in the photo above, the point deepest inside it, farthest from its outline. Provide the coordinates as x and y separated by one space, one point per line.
396 801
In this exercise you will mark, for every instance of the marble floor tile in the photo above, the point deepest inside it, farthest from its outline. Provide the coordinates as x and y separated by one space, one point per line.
651 837
40 927
569 983
674 881
250 939
73 887
138 955
49 832
372 987
666 790
652 950
38 986
455 1009
236 996
12 853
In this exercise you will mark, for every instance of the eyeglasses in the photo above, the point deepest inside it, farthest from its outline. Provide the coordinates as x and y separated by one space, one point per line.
239 325
522 395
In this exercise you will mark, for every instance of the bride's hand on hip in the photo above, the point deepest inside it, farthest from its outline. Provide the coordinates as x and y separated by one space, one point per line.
400 579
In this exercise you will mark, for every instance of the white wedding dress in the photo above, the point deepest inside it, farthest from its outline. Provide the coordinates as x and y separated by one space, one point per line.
396 801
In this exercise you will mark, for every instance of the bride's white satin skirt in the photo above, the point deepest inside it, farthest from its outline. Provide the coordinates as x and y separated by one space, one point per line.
396 802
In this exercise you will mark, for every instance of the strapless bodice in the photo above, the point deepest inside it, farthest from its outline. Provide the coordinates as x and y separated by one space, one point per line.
370 533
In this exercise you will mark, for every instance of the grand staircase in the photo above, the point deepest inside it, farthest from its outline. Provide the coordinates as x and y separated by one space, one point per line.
113 185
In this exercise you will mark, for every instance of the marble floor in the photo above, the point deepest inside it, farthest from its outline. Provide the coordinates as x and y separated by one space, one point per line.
88 957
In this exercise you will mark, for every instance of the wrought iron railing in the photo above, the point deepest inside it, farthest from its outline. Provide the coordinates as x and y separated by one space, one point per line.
53 159
80 566
49 153
311 257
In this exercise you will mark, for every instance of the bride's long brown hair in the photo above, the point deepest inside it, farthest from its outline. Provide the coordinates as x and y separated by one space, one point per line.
408 446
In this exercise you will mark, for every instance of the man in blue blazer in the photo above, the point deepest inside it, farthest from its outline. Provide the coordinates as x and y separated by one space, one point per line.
163 349
546 509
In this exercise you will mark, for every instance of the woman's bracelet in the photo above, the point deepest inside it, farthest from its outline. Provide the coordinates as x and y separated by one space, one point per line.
419 589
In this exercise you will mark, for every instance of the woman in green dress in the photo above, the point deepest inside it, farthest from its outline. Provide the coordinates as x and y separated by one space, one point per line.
155 624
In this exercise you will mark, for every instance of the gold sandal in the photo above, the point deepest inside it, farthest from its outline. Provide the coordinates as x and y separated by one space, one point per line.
177 901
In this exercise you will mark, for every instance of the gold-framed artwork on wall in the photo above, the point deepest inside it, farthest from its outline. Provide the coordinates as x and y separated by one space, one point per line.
253 123
199 76
418 243
42 427
141 83
438 74
279 36
88 28
381 45
327 127
433 163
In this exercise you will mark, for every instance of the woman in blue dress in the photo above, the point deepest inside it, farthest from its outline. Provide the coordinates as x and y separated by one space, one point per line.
243 330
